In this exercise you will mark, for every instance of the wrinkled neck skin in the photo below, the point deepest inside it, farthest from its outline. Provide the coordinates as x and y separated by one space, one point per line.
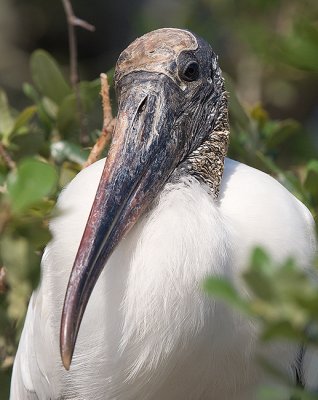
206 162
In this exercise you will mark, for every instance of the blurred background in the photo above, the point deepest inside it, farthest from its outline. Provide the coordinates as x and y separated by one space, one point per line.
268 47
268 50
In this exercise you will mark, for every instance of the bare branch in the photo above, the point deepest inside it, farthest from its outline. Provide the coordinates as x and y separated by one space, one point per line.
83 24
72 23
107 108
3 282
108 124
6 157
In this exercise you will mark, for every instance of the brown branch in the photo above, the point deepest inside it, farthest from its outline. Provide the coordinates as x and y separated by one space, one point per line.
72 23
6 157
108 124
107 108
3 281
75 21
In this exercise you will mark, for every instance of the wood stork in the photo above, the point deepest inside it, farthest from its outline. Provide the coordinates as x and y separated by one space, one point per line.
136 323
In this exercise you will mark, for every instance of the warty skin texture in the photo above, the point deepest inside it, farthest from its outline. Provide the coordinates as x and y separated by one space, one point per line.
149 331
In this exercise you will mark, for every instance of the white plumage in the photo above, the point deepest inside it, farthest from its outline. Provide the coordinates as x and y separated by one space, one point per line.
149 331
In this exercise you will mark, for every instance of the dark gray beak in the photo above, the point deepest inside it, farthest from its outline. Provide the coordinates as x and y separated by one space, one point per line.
144 152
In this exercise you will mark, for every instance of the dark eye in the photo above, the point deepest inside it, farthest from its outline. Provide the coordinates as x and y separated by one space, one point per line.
190 72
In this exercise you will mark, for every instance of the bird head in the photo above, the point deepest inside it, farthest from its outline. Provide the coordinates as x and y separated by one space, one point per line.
170 99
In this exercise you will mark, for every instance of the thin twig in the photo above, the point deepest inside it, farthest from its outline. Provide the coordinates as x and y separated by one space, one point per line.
6 157
108 124
107 108
3 282
72 23
83 24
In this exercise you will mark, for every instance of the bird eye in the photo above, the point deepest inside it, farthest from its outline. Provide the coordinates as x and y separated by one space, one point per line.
190 72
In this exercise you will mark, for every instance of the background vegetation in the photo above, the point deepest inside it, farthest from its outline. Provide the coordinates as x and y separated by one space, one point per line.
269 51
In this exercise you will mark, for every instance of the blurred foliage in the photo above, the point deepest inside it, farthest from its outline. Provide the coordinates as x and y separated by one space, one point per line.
268 48
283 297
282 300
45 153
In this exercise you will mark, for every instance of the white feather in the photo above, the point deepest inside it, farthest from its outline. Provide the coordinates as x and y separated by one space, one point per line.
149 330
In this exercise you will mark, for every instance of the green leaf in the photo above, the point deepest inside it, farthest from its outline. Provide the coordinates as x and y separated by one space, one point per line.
260 257
300 47
258 277
281 330
27 144
23 118
31 181
286 178
67 117
31 92
110 76
5 378
279 132
50 107
276 393
6 119
89 91
64 150
67 174
224 290
311 180
48 77
16 253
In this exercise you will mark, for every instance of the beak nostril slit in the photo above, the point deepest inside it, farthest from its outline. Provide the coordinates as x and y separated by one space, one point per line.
142 106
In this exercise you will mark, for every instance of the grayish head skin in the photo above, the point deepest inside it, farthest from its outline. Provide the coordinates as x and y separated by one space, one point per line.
172 120
156 51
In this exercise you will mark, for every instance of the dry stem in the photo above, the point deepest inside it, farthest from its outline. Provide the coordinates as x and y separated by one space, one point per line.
108 124
3 283
72 23
6 157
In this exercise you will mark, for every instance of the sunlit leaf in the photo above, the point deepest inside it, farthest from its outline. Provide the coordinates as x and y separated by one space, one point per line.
47 76
15 252
281 330
50 107
258 277
6 119
270 393
224 290
64 150
31 181
23 118
259 114
30 91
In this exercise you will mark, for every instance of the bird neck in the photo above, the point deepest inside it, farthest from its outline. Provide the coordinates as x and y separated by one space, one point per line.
206 162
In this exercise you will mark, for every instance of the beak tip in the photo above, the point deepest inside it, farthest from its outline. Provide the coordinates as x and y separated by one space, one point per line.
66 357
66 348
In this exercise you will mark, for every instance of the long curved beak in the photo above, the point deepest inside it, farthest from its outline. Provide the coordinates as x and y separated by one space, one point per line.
143 154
